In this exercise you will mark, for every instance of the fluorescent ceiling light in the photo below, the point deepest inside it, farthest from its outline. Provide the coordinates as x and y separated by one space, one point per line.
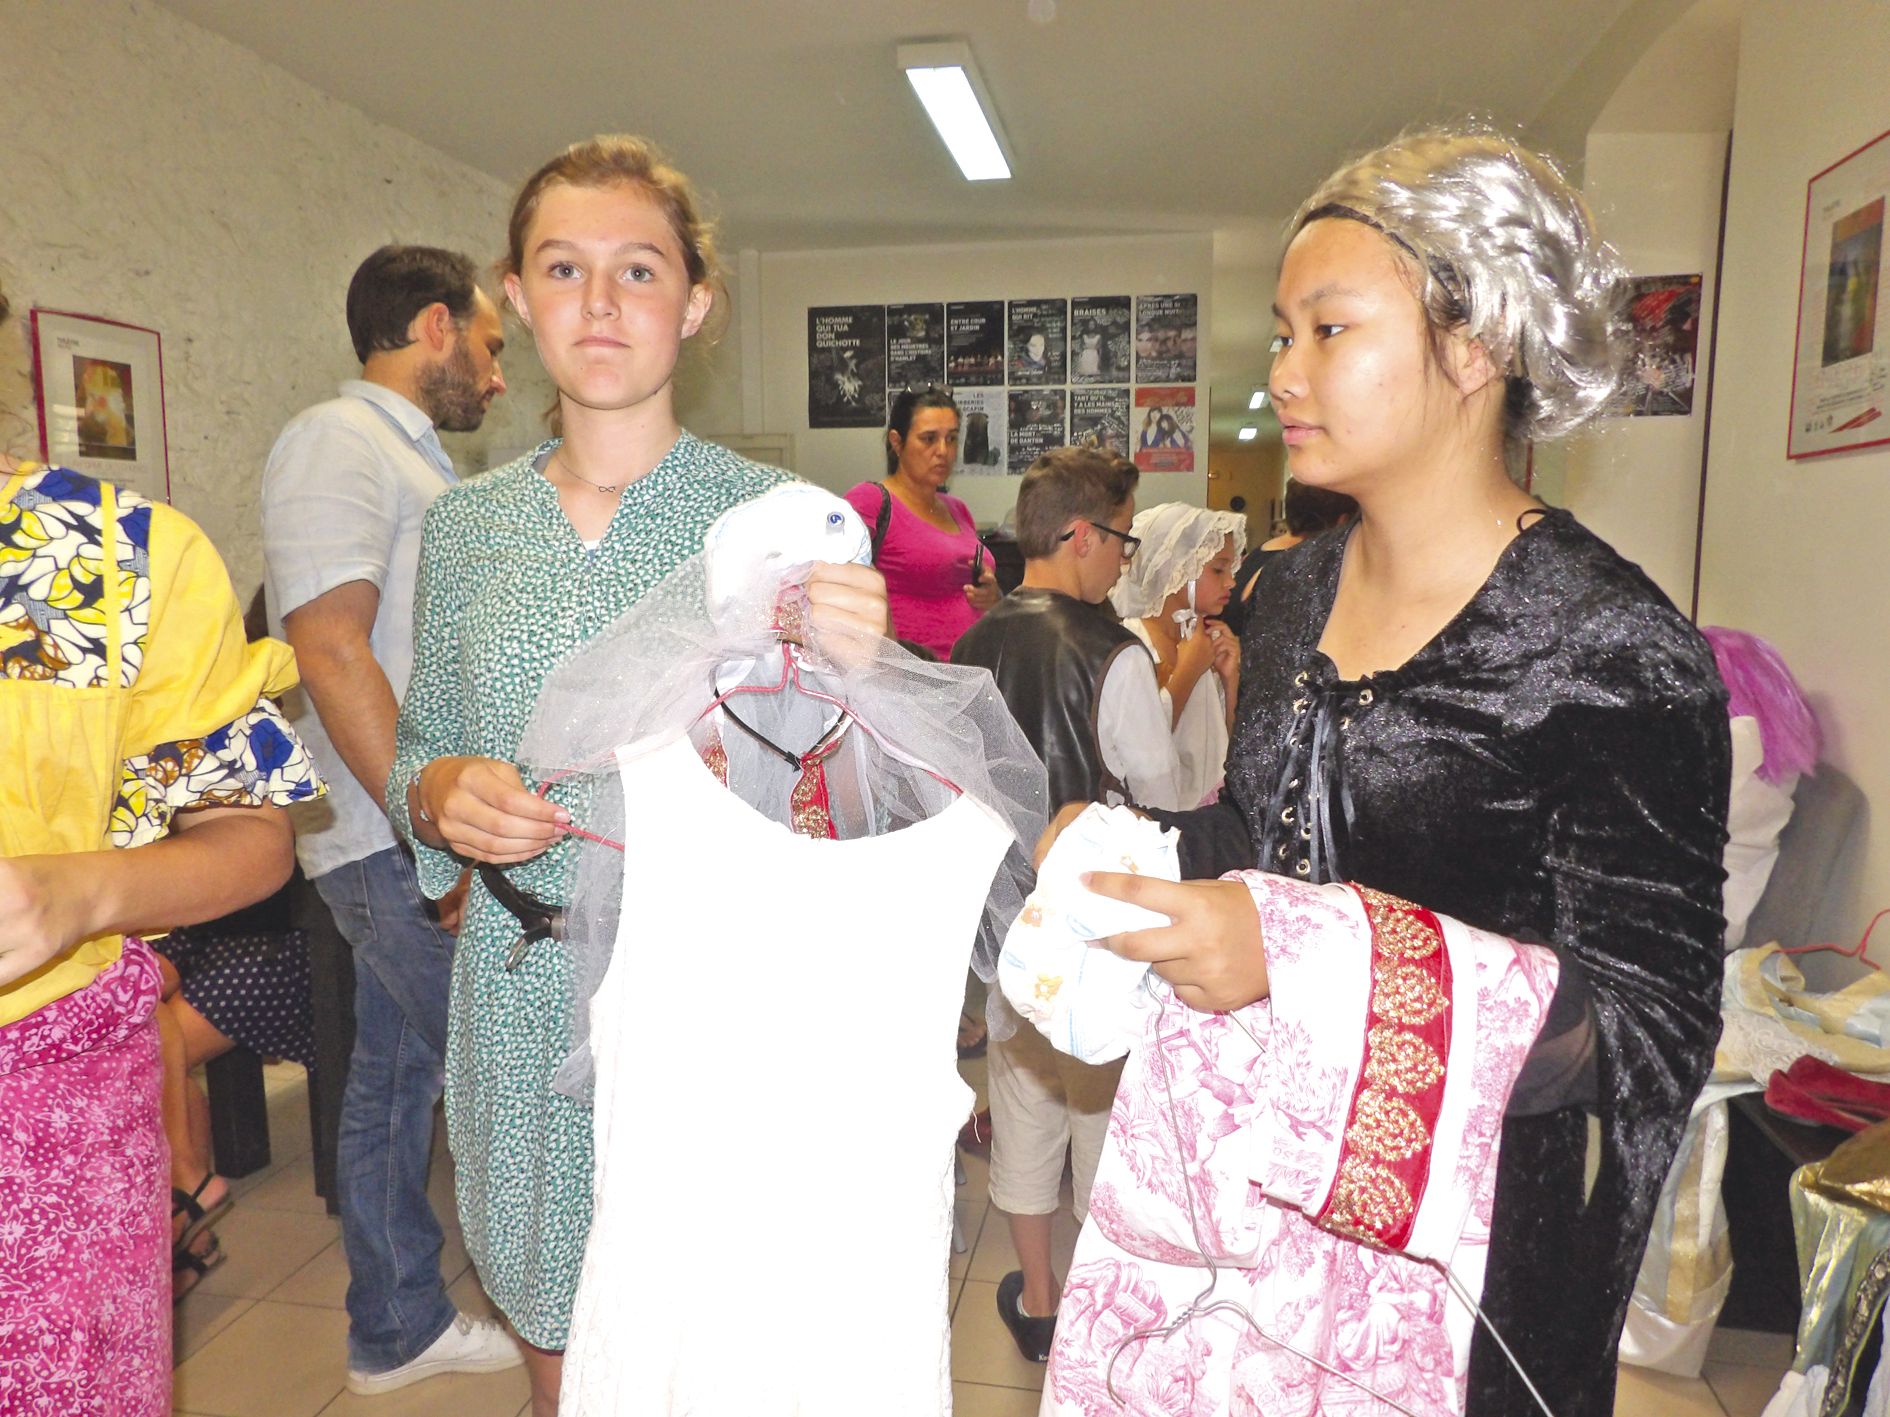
1248 433
1259 399
948 84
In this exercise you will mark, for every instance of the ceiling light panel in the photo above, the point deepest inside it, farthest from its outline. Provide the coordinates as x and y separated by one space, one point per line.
947 82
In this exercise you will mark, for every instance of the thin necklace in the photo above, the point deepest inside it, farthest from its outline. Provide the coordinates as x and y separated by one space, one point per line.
928 515
609 488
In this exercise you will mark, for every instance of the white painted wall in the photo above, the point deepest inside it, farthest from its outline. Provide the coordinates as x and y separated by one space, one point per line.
794 280
156 174
1800 551
709 374
1635 482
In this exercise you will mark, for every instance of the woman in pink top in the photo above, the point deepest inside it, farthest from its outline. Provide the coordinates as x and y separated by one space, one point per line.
938 575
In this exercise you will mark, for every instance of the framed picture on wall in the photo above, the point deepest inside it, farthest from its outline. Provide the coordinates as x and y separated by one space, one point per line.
1841 364
1663 315
100 390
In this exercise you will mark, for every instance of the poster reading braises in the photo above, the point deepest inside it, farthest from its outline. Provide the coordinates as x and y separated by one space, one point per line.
974 344
1036 425
1099 418
983 437
1841 377
846 366
1166 327
1039 341
1100 339
915 346
1164 434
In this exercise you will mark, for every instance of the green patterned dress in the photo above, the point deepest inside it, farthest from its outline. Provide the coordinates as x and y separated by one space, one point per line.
506 591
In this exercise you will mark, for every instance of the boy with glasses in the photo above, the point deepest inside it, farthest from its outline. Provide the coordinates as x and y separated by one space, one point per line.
1083 690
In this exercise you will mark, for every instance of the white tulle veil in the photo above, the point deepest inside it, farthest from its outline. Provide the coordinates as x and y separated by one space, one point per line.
918 732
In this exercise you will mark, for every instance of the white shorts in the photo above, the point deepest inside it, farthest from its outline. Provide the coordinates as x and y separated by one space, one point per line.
1044 1104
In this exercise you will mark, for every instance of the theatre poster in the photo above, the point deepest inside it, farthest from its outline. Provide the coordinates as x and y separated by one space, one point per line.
1164 429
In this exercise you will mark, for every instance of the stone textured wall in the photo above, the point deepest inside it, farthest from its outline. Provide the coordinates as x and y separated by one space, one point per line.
154 173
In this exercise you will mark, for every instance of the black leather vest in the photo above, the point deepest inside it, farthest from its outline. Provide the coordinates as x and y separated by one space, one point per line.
1049 652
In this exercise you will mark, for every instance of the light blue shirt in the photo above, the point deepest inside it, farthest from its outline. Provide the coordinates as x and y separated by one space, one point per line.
344 493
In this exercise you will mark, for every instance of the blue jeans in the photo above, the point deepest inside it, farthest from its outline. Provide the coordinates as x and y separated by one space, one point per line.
403 965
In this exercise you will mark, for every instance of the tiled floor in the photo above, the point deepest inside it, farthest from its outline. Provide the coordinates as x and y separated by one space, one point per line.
263 1335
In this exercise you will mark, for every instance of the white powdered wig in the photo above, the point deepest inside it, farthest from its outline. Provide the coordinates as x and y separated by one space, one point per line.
1507 253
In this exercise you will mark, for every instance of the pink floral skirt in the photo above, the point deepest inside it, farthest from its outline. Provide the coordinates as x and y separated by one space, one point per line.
85 1314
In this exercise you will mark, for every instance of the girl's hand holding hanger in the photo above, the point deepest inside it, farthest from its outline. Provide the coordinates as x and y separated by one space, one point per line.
849 598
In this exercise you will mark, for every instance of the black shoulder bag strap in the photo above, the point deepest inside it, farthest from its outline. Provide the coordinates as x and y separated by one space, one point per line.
882 521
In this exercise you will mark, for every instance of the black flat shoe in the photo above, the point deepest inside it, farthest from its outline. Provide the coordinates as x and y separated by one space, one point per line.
1032 1336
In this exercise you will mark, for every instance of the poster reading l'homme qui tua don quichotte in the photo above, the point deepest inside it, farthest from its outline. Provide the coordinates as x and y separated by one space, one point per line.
846 366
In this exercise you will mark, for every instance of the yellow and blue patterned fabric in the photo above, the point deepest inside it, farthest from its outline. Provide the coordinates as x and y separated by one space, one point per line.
128 691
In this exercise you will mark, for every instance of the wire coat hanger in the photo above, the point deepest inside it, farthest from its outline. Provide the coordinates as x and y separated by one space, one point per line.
1855 952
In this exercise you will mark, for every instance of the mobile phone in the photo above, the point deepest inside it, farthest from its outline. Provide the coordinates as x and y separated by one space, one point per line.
977 565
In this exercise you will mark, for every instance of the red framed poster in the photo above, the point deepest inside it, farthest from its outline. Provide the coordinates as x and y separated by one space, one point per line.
100 391
1841 358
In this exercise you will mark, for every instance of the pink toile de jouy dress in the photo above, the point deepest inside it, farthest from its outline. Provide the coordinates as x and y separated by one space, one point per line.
1312 1165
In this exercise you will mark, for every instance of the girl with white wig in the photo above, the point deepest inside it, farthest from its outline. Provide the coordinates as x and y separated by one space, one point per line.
1169 597
1463 708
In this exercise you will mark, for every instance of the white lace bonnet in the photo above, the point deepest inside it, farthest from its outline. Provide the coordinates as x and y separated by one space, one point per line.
1177 543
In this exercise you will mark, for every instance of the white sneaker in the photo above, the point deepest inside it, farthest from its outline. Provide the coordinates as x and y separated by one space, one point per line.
469 1345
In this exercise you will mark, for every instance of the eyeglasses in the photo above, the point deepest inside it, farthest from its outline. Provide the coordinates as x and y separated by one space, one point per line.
1130 544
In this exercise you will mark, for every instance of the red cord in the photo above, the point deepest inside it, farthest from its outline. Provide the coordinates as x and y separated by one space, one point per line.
1856 952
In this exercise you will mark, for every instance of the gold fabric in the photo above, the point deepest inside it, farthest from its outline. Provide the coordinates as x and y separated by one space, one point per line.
1859 1170
1837 1241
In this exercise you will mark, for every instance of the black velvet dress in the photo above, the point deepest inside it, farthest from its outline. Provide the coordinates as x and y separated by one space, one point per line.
1554 767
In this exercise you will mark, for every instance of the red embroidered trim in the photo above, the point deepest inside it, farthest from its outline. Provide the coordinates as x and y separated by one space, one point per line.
1385 1158
808 806
810 813
715 756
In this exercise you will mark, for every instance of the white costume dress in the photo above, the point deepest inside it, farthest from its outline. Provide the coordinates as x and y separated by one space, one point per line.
1178 541
773 946
1200 735
763 979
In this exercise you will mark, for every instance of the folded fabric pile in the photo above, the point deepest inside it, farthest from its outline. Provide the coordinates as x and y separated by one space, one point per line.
1775 1026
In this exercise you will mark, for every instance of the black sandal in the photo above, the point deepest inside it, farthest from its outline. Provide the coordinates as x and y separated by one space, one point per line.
188 1266
198 1217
